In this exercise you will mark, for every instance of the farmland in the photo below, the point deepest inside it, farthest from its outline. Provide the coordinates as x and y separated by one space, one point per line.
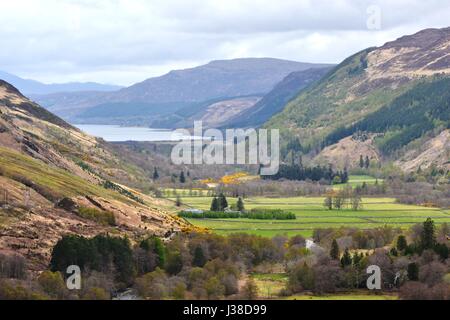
311 214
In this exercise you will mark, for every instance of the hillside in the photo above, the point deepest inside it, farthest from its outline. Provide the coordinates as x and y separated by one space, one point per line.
30 87
274 102
398 91
56 180
219 113
180 89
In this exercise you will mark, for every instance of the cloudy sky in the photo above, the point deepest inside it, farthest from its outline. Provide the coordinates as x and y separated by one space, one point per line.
127 41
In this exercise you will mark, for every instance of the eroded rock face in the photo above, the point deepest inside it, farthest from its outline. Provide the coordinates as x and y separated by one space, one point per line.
436 152
347 152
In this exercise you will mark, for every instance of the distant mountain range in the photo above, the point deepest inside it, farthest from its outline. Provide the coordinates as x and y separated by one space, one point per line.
31 87
155 100
274 101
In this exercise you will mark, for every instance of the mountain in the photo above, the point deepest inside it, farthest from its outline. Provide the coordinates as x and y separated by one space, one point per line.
30 87
56 180
224 78
216 114
392 95
274 102
213 82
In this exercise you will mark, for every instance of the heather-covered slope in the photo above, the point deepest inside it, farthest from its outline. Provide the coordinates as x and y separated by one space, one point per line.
398 91
57 180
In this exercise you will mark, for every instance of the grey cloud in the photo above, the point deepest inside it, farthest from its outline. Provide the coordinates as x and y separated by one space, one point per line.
127 41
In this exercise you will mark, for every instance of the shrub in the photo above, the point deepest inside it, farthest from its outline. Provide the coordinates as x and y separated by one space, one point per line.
96 294
99 216
257 214
52 283
13 267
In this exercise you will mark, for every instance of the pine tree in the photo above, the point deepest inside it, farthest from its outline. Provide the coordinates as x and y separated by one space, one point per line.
334 252
346 259
199 257
155 174
361 162
215 205
223 203
240 205
401 243
182 177
428 238
413 272
367 163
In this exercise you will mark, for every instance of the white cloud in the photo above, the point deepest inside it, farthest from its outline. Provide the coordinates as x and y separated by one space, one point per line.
118 41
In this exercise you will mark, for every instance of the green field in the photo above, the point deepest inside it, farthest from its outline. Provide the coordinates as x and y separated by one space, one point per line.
311 214
355 181
270 286
350 296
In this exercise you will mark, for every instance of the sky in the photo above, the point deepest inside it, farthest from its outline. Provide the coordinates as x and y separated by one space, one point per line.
127 41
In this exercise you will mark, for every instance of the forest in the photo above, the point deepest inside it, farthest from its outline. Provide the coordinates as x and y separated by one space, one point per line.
209 266
408 117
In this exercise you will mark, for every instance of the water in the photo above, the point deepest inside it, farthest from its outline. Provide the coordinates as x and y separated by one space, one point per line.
114 133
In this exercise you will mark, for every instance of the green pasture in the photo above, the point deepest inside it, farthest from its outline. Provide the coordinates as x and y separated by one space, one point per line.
311 214
350 296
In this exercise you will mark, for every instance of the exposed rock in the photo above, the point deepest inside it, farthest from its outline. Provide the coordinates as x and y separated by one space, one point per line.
347 152
436 152
67 204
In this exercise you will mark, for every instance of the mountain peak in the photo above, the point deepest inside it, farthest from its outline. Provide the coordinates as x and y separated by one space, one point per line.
423 39
424 53
9 88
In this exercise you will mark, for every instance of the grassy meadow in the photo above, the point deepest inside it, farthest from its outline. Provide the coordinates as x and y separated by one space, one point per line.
311 214
355 181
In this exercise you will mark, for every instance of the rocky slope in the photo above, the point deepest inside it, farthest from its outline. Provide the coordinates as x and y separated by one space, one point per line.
218 114
434 152
347 152
56 180
274 102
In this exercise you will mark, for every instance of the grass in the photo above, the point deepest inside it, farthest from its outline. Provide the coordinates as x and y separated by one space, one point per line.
51 182
310 213
269 285
349 296
358 180
99 216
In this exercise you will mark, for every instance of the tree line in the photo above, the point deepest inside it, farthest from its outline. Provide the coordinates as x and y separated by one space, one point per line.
407 118
300 173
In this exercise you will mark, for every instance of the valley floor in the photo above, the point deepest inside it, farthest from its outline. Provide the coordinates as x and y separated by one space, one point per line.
311 214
